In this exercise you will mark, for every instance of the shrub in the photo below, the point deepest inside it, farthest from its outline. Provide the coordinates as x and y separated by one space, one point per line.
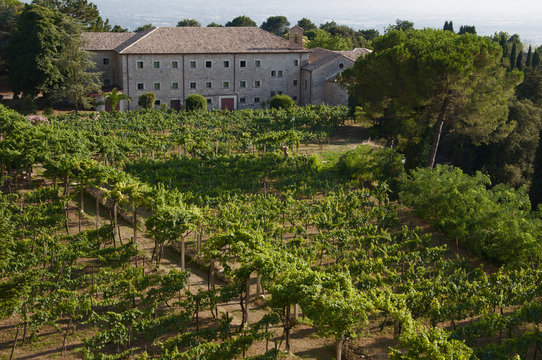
281 102
146 100
195 102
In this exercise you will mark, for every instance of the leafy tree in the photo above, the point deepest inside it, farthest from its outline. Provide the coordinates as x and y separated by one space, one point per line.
355 38
78 82
323 39
146 101
531 87
536 58
369 34
306 24
281 102
195 102
81 10
466 90
403 25
213 24
9 11
241 21
115 97
188 23
467 29
144 28
277 25
535 192
33 49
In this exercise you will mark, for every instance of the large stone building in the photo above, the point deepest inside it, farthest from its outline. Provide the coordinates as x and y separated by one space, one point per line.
232 67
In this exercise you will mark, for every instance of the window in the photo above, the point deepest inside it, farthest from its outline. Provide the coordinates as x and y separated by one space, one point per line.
242 63
242 100
279 92
174 64
106 61
243 84
208 85
257 63
156 64
257 83
209 101
273 73
107 82
279 73
256 99
192 64
175 85
295 82
140 86
208 64
192 84
273 93
139 64
294 98
341 65
156 86
157 102
296 62
226 63
225 84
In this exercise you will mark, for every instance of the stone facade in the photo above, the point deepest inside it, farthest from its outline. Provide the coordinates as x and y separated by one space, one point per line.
248 76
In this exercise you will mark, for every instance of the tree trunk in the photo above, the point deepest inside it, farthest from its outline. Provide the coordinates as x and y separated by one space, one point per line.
66 194
114 223
81 204
97 210
247 301
339 349
437 132
135 225
14 343
183 253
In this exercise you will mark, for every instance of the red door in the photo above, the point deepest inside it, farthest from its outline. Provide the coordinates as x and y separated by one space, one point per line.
227 103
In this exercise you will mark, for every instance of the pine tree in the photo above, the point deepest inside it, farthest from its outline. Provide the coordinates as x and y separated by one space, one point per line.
451 26
529 61
513 56
519 61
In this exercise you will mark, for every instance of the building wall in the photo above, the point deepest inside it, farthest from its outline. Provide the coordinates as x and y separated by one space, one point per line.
109 72
320 89
277 73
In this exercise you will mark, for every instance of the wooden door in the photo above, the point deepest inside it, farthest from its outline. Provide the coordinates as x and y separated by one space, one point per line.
227 103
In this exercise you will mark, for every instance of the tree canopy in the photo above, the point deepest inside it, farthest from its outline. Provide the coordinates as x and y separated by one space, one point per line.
188 23
423 79
277 25
241 21
82 11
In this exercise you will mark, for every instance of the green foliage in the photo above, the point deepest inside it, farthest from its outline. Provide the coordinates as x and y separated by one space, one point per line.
33 49
369 165
306 24
277 25
495 223
146 100
188 23
82 11
241 21
467 90
195 102
448 26
213 24
145 27
323 39
114 97
281 102
400 25
467 29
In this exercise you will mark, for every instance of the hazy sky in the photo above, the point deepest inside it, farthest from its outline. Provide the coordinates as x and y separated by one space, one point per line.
519 16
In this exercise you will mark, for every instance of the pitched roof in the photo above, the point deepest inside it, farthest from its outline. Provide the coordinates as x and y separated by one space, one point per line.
320 56
95 41
198 40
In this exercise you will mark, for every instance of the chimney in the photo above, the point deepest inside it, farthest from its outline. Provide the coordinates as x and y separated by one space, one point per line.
296 38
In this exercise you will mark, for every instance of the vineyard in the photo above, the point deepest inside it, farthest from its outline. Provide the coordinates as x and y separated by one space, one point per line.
210 235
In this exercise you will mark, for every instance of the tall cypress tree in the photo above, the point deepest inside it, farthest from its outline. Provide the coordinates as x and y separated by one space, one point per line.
536 59
519 61
535 192
529 61
513 56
